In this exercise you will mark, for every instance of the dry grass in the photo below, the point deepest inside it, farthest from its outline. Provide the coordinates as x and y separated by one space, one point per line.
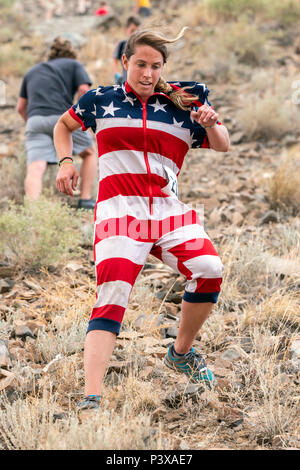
12 175
42 224
30 425
266 112
284 186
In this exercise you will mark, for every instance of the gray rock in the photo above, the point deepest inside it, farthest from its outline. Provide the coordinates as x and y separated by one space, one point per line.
7 270
237 137
183 392
5 286
5 360
230 355
22 331
139 321
270 216
282 266
246 344
295 349
171 332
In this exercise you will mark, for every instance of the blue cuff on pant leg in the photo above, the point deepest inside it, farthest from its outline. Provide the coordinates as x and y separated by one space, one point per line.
104 324
201 297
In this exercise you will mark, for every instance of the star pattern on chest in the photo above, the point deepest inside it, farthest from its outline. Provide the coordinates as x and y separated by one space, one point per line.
109 109
95 111
195 141
129 100
78 110
179 124
158 106
98 91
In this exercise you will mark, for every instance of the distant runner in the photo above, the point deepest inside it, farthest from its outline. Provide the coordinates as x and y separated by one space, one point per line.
47 91
143 8
132 24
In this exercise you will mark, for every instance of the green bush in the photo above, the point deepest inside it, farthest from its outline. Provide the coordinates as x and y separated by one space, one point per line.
246 42
39 233
6 3
14 61
232 9
285 12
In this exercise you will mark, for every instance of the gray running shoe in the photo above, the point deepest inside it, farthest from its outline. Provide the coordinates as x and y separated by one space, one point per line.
89 403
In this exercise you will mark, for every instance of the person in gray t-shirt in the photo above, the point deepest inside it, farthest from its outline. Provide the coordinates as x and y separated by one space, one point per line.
47 91
132 24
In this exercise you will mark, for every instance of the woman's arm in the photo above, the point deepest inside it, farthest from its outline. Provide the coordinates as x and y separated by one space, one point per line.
217 135
63 144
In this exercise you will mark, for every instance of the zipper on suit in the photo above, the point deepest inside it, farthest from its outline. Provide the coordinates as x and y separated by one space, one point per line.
146 155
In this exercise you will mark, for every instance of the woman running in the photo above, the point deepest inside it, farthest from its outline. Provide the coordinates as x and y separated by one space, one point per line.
144 129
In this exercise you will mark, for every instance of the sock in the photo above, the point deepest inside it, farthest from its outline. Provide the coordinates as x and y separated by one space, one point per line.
98 397
174 353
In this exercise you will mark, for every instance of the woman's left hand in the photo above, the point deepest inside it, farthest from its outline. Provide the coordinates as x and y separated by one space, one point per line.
205 116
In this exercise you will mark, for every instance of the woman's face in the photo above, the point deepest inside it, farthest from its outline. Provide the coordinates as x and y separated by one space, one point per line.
144 69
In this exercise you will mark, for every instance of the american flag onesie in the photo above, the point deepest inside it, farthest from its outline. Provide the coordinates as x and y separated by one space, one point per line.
141 148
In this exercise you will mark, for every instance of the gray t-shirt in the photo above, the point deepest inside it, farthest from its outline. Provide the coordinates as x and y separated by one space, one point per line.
118 53
50 86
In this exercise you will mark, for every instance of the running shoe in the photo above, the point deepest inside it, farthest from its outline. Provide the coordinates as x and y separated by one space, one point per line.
87 204
191 364
89 403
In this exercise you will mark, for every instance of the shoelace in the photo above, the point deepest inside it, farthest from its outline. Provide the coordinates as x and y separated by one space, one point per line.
194 358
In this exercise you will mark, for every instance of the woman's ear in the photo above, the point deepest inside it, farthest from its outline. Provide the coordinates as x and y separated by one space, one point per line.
125 61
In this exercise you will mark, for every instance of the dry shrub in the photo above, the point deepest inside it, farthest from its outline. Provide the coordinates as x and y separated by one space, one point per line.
39 233
246 266
285 12
233 9
65 342
12 174
247 43
29 425
272 407
139 396
284 186
278 311
14 61
287 242
267 113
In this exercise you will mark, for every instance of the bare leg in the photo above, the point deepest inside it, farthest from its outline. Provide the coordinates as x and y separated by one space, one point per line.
193 315
88 172
99 345
81 6
34 179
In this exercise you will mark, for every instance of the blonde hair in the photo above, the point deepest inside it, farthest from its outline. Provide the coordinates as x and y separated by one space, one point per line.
180 98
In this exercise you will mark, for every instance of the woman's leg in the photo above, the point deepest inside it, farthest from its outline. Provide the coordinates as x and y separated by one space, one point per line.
118 259
187 249
193 315
98 349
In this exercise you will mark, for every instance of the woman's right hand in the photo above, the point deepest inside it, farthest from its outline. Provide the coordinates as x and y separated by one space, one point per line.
67 178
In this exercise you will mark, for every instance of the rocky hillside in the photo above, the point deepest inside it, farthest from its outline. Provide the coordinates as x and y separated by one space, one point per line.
249 199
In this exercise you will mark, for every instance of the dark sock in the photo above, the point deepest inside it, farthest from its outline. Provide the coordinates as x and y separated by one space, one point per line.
175 353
